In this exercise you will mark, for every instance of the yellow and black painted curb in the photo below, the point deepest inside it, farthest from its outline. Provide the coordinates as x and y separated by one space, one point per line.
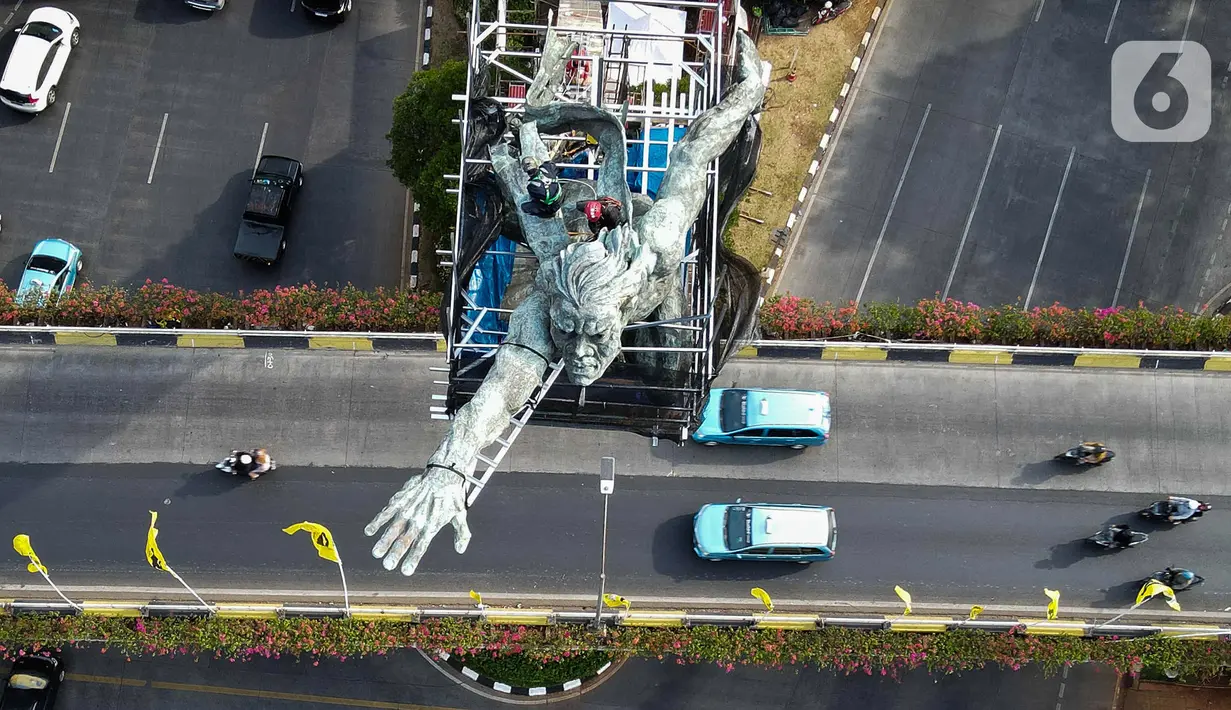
225 339
654 618
959 355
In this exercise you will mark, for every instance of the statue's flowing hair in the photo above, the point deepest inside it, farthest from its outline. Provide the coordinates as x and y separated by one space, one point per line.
593 278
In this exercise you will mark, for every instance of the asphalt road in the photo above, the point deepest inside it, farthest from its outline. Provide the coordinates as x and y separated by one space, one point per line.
540 534
894 422
977 160
159 121
108 682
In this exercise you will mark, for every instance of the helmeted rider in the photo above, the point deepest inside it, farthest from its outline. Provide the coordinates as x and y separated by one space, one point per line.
1092 452
242 462
1177 578
544 189
1185 509
1121 535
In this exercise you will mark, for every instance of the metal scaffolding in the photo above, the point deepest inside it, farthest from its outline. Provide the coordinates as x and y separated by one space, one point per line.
504 54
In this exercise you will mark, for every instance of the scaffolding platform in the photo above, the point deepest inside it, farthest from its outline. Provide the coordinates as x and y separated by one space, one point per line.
613 66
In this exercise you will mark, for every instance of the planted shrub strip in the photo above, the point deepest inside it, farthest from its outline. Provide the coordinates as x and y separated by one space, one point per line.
844 650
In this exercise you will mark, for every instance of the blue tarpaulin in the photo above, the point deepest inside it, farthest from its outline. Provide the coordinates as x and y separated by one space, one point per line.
658 159
488 282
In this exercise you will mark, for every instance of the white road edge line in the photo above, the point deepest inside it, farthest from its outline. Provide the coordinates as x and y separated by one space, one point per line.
260 149
293 6
892 204
971 217
157 148
1039 13
1191 6
63 122
1114 11
1131 234
1055 209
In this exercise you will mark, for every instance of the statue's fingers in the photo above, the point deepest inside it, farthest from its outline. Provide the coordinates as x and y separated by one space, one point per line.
461 532
392 533
396 502
419 548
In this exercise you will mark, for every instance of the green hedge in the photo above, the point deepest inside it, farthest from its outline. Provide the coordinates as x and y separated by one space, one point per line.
843 650
309 307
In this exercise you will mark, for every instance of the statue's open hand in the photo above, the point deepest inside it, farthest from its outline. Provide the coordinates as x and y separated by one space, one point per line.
415 514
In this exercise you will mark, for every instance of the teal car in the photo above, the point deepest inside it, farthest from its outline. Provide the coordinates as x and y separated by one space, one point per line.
769 417
53 267
767 532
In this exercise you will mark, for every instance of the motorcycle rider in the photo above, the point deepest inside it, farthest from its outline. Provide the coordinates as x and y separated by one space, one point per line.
241 462
1121 535
825 12
1092 452
1185 509
262 463
1177 578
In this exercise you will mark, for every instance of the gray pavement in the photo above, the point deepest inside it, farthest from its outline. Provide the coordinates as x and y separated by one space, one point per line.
538 536
894 422
254 76
1019 89
407 682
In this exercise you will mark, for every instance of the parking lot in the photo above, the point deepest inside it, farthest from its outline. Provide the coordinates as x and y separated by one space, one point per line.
143 160
977 160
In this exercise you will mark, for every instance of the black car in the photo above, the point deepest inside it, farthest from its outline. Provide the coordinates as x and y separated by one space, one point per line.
327 9
271 196
33 682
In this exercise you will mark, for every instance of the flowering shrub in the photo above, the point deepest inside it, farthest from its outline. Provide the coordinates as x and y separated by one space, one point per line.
844 650
951 321
160 304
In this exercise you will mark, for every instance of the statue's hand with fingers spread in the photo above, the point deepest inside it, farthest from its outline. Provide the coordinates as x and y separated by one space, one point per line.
414 515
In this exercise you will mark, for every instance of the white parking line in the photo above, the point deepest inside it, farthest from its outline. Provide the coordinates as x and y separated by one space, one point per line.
892 204
293 6
63 122
157 148
970 217
1192 6
1050 223
1039 12
1132 233
11 14
1114 11
260 149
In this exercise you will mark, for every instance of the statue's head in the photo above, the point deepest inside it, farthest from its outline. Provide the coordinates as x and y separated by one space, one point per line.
589 285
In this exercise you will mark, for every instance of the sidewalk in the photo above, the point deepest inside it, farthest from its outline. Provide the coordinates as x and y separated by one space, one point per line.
894 422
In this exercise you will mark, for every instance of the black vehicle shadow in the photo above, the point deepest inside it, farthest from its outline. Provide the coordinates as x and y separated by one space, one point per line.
275 19
211 482
1120 595
1042 472
1067 554
169 12
673 556
727 455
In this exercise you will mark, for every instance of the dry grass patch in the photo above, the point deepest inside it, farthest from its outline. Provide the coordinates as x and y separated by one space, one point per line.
794 121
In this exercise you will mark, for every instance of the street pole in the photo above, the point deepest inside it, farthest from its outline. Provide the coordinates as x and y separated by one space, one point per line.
606 485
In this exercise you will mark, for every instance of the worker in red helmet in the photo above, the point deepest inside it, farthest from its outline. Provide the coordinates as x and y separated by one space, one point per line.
603 213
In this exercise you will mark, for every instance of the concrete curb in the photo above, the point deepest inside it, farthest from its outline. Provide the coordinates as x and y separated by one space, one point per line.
540 691
782 236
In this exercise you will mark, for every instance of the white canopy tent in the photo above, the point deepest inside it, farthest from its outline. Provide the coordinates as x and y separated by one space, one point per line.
662 56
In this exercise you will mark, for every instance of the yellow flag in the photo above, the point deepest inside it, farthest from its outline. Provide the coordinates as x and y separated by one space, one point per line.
21 543
764 597
1053 607
1153 589
478 598
905 597
974 612
321 537
616 600
152 554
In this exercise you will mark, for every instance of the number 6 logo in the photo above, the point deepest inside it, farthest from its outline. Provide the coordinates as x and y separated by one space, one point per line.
1161 92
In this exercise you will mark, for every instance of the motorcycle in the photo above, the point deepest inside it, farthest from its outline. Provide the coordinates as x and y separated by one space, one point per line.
242 461
1103 538
1077 457
1177 578
1162 510
831 11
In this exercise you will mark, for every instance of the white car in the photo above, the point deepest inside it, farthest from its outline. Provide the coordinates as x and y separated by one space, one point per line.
38 58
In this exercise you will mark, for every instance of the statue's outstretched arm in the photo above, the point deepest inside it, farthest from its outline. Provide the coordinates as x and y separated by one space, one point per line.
436 497
682 192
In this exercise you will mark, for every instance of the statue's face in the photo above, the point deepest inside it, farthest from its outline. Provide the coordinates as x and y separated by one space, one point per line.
588 342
